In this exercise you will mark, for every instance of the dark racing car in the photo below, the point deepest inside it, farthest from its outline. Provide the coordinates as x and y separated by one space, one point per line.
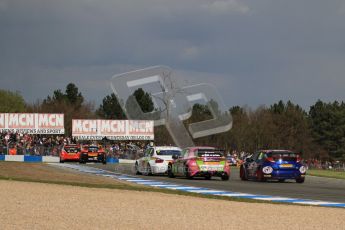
273 165
92 153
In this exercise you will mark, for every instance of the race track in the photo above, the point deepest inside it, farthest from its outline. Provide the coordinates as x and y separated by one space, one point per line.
316 188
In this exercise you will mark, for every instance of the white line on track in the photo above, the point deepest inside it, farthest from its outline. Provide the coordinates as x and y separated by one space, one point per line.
205 191
237 194
273 198
315 202
165 185
185 188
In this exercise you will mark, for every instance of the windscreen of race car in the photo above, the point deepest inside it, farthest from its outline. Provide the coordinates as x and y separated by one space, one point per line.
93 149
286 156
71 149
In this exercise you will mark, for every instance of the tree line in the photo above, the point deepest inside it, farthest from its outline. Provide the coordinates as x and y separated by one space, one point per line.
317 133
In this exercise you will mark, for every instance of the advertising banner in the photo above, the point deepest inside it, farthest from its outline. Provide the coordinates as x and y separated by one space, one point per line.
112 129
32 123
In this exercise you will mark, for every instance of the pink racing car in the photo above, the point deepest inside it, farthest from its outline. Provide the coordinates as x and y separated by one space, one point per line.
200 162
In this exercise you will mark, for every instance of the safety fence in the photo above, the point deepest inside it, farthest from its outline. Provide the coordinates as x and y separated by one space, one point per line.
52 159
27 158
335 166
38 150
41 153
41 150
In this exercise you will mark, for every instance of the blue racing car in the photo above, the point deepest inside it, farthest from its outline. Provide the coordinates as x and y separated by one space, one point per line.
273 165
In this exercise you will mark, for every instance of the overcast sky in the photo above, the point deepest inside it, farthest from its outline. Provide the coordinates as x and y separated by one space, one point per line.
255 51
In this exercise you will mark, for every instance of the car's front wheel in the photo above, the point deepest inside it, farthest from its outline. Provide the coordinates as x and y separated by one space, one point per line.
170 171
187 172
149 170
225 177
243 174
137 169
208 177
82 161
62 161
260 175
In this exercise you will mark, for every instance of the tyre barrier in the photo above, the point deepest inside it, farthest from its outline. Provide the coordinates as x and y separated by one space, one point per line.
25 158
126 161
112 160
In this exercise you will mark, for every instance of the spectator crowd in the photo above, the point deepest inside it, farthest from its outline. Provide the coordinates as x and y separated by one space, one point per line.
28 144
44 145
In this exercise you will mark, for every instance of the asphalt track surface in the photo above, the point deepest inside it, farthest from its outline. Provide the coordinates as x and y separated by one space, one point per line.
315 188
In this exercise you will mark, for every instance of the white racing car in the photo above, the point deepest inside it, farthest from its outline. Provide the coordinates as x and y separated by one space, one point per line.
156 160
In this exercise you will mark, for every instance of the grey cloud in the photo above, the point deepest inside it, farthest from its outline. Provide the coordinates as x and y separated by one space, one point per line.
224 7
256 52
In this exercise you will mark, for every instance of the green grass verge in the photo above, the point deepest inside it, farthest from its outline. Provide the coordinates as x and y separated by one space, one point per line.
138 188
326 173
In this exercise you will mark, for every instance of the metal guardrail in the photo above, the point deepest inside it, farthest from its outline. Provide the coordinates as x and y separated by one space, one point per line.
334 167
41 150
124 154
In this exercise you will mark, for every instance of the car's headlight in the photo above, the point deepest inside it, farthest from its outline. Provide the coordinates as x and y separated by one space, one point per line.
267 169
303 169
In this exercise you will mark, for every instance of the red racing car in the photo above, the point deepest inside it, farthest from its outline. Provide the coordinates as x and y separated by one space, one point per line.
70 153
92 153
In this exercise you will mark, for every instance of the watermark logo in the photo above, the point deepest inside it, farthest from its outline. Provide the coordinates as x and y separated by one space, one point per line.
173 103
